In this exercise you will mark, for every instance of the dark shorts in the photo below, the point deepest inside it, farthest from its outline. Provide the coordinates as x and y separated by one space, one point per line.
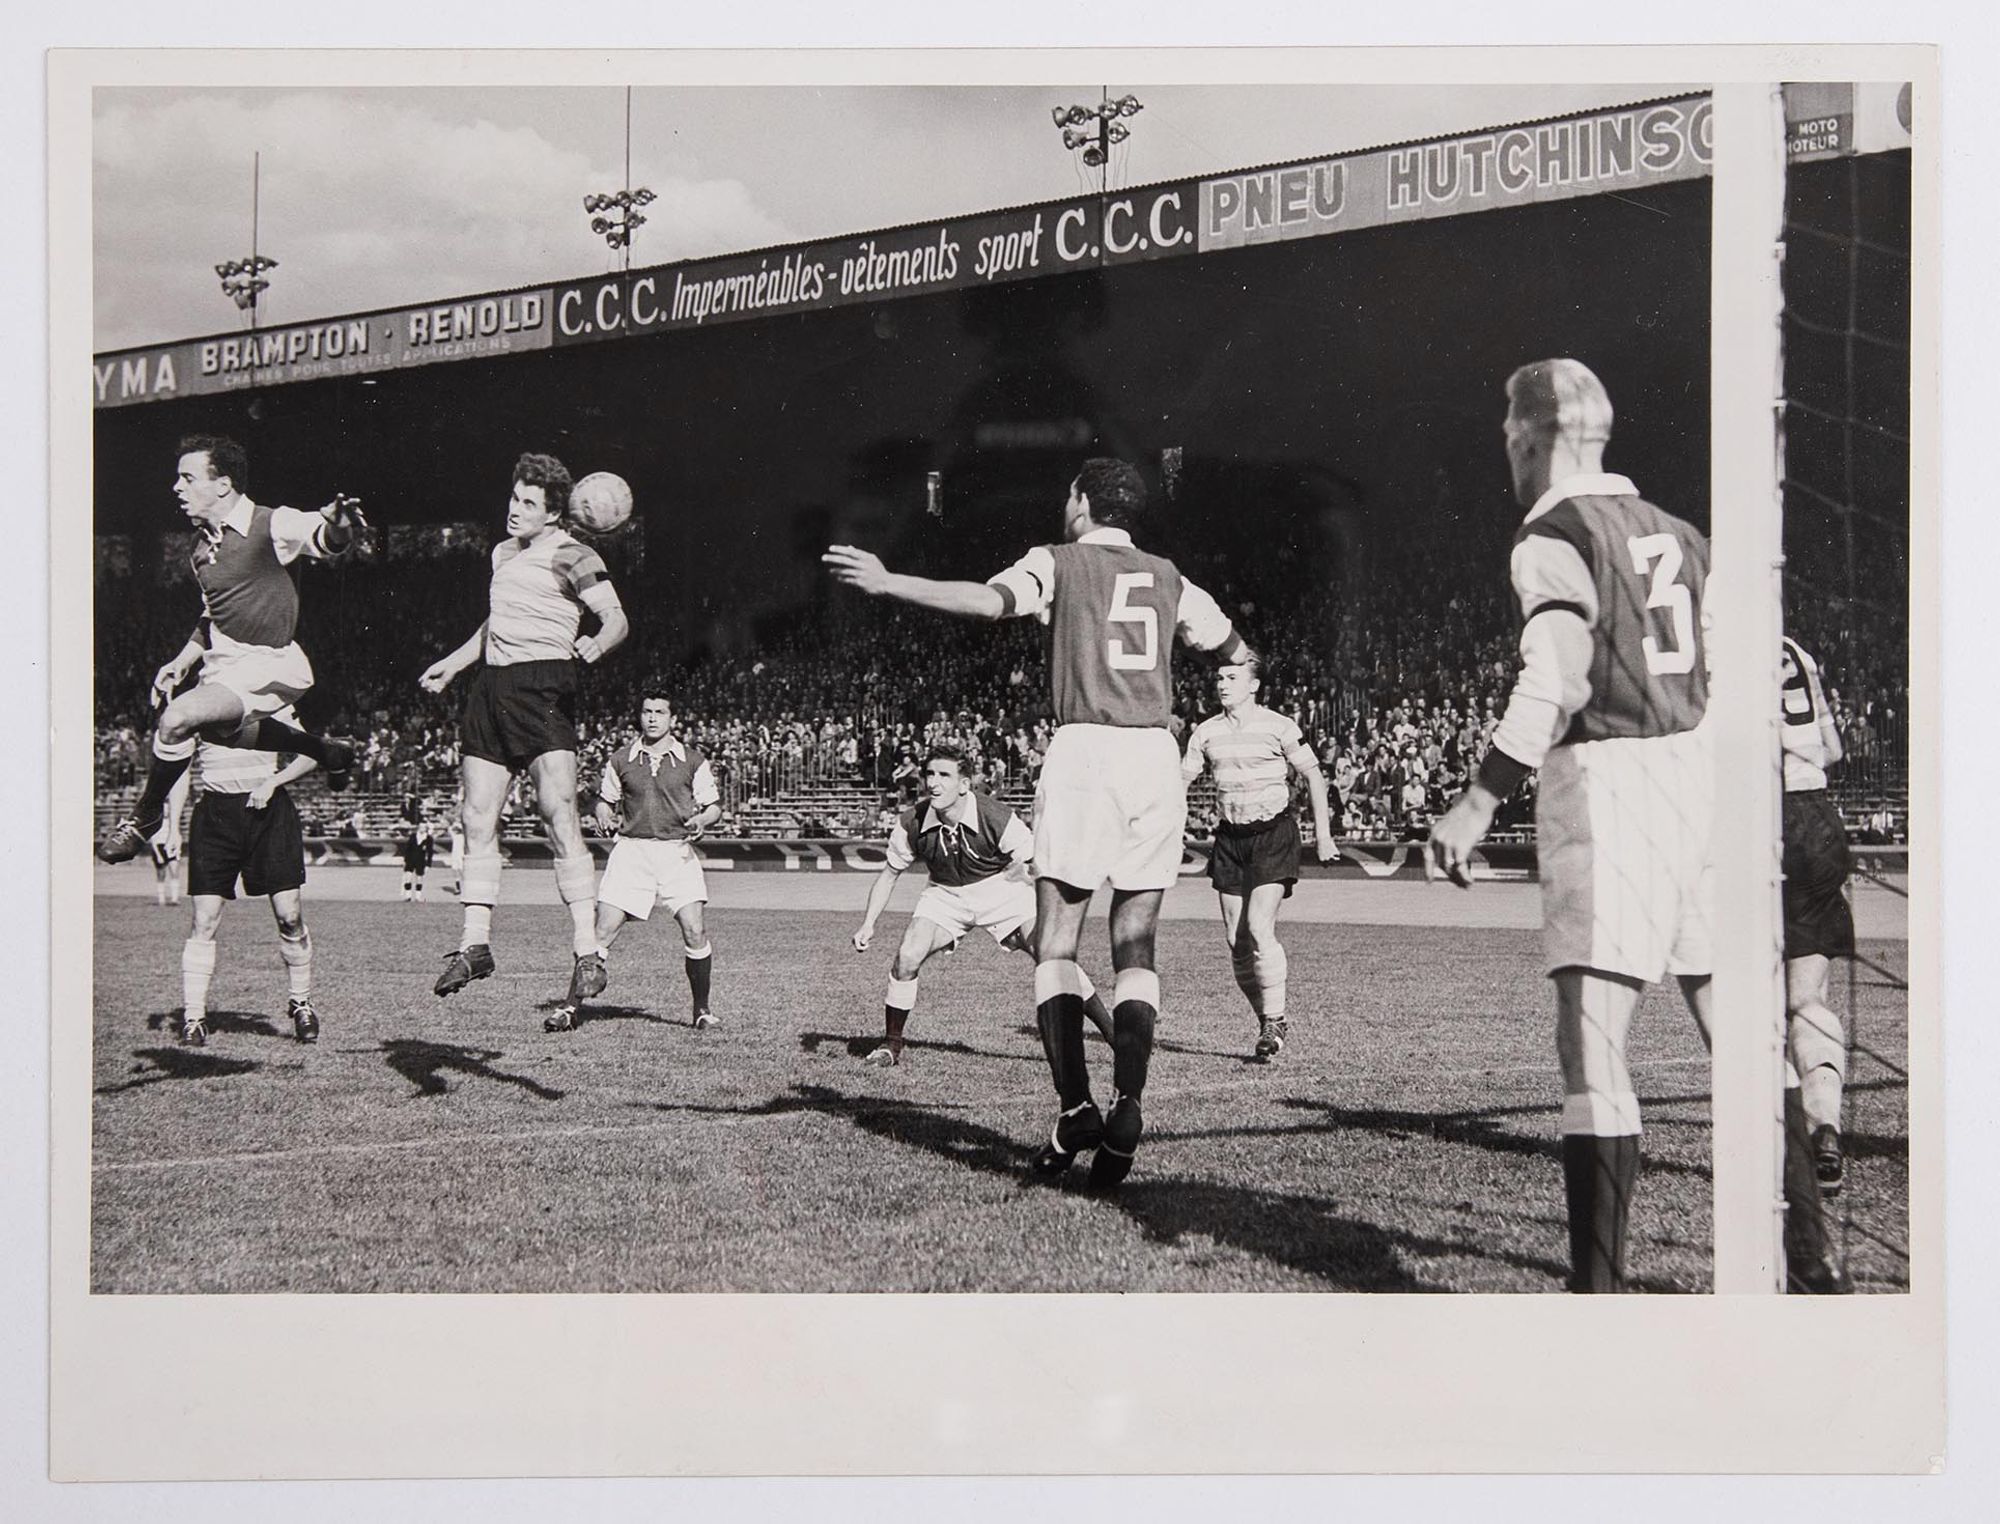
1262 852
514 714
416 856
1817 917
228 839
164 856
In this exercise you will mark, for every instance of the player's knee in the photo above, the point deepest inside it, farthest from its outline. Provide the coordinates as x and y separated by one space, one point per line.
293 925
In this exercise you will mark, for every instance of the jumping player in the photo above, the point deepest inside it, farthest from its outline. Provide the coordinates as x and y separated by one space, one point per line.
1609 703
246 826
977 852
521 714
667 793
1253 752
251 667
1819 925
1110 805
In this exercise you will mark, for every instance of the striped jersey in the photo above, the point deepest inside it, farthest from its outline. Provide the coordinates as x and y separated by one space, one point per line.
975 839
247 594
234 769
1636 576
1253 754
1807 734
659 789
1112 611
537 597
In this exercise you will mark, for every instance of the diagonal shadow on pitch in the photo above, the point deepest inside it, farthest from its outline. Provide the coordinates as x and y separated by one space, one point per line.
249 1023
591 1011
1301 1232
812 1042
429 1066
156 1064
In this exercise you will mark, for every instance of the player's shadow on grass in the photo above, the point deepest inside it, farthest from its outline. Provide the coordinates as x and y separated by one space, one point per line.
427 1065
1160 1045
856 1047
1300 1232
157 1064
249 1023
589 1013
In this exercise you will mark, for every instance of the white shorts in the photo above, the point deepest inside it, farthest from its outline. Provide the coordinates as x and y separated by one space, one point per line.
999 905
1111 808
1622 831
643 873
265 678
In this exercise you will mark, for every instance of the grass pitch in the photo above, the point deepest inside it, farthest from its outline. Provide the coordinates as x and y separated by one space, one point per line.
1404 1141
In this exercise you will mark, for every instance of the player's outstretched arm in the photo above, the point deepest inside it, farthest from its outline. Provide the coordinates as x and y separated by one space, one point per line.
863 570
878 901
438 675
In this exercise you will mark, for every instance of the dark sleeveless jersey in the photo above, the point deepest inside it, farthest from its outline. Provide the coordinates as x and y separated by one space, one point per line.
247 591
1649 570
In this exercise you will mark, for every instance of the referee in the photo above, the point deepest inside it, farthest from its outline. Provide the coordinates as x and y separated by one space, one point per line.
1253 751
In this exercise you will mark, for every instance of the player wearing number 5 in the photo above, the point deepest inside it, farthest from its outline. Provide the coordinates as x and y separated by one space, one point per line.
1110 806
1612 690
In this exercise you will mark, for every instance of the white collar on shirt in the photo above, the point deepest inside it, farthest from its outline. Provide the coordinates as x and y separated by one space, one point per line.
1585 484
967 813
238 518
1104 534
670 746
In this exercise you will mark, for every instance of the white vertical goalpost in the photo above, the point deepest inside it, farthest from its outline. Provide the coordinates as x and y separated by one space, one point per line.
1746 604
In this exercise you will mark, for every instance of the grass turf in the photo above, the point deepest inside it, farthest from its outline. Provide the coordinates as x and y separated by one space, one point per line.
1404 1141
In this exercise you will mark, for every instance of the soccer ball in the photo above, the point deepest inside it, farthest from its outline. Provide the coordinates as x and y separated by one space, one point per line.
600 502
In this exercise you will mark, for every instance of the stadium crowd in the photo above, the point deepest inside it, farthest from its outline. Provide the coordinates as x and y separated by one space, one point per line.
838 702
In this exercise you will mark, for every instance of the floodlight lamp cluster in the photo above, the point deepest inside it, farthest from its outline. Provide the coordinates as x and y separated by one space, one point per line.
242 279
1095 128
617 230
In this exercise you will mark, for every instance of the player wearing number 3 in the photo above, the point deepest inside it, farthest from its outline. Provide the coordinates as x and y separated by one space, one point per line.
1612 690
1111 806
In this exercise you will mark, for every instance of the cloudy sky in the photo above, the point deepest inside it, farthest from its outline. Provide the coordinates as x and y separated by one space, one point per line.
381 197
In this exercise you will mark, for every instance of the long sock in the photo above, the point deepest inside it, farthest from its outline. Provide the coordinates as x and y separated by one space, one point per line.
275 735
298 960
1270 969
1600 1169
1095 1008
700 969
897 1004
1059 1016
576 882
482 892
1138 995
170 760
1805 1216
197 968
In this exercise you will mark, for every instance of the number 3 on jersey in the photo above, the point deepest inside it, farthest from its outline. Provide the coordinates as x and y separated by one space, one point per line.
1146 623
1666 592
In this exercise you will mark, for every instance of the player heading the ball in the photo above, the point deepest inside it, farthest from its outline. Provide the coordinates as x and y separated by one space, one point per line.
521 713
1110 806
251 667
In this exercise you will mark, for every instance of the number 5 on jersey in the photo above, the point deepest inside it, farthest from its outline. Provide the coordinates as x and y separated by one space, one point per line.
1146 623
1666 592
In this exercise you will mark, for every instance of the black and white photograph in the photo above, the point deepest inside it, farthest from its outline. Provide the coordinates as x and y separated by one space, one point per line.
1111 686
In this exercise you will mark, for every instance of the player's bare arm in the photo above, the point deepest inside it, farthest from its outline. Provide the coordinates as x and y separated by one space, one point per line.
606 816
704 817
437 677
291 772
863 570
612 625
1325 848
175 672
878 901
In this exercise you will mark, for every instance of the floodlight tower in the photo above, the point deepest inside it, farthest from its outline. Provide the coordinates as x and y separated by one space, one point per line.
1073 122
615 218
243 279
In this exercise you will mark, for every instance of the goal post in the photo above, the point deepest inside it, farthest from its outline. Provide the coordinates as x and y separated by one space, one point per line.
1746 606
